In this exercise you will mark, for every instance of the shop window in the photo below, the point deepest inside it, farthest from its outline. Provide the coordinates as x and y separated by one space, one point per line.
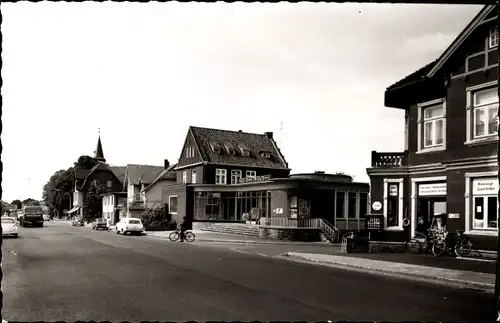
393 205
293 207
351 205
484 203
363 204
340 204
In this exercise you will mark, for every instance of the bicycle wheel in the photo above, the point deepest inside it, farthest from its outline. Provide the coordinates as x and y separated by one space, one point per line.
189 236
438 248
463 249
414 246
174 236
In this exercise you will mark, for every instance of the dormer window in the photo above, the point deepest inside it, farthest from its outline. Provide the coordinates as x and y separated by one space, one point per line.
493 38
229 148
245 151
265 154
216 148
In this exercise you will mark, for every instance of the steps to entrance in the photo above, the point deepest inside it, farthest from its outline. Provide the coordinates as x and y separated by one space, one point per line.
233 228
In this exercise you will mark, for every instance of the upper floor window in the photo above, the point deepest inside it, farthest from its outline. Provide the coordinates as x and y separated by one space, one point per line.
189 152
251 174
220 176
193 176
235 176
493 37
432 126
484 112
109 184
184 177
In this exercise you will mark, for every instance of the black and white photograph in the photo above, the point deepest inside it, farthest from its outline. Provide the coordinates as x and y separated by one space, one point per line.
171 161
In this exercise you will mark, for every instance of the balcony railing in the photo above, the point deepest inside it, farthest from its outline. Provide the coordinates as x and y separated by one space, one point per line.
384 160
136 202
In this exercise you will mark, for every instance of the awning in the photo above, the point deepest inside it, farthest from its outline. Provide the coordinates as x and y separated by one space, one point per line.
73 210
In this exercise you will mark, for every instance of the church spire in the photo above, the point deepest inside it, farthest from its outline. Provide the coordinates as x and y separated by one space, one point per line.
98 153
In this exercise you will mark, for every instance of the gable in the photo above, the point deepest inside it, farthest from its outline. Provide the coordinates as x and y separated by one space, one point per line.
190 153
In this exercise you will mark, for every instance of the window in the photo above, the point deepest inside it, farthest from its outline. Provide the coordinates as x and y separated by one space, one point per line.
235 176
251 174
293 207
493 38
109 184
363 204
193 176
484 203
184 177
433 126
393 205
351 205
172 204
484 112
339 204
220 176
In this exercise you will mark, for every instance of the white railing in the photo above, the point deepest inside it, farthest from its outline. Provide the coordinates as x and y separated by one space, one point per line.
327 228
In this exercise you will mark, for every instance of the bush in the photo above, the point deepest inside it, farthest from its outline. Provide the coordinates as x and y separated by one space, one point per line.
155 219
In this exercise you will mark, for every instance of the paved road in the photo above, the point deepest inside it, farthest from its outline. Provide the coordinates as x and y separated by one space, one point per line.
65 273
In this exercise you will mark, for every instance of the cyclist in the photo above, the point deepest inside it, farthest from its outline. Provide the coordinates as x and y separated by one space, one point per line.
183 228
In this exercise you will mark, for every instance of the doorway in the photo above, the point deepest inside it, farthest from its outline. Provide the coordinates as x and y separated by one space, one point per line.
429 206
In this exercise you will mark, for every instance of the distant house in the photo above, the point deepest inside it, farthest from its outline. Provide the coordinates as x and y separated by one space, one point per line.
137 178
153 192
114 206
101 173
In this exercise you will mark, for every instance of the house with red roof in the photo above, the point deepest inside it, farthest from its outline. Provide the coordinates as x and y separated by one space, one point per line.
449 166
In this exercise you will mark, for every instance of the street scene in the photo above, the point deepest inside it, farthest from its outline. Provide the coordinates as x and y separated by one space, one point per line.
250 162
67 273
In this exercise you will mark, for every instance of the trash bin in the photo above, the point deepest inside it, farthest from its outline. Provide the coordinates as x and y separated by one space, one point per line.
358 245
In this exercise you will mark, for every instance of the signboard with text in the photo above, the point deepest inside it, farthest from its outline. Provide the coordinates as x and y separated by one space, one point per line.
255 179
393 190
432 189
485 186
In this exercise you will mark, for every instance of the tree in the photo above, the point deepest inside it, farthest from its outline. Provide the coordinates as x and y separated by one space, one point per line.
17 203
85 162
57 191
30 202
93 200
4 207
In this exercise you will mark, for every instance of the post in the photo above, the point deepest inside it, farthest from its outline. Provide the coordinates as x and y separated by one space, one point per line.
497 276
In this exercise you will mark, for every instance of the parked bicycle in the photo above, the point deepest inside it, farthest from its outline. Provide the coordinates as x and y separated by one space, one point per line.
188 235
421 243
461 248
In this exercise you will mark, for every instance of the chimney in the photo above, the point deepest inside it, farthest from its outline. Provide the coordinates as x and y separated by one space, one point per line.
269 135
166 163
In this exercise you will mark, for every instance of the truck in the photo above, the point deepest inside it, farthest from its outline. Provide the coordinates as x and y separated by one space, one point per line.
31 215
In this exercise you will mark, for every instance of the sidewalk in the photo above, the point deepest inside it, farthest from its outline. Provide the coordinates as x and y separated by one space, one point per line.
459 278
207 236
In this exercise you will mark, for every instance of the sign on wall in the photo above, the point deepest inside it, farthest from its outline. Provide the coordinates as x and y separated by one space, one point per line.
393 190
453 215
432 189
278 210
485 186
377 206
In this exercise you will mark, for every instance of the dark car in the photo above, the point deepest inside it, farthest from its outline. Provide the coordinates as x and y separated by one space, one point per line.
32 215
100 224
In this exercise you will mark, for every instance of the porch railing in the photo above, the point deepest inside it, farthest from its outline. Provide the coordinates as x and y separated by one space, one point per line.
389 159
289 223
329 230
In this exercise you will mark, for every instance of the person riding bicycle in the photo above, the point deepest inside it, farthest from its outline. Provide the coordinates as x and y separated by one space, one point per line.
186 225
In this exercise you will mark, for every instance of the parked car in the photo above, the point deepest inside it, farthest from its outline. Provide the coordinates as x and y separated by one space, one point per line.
100 224
129 225
9 227
77 222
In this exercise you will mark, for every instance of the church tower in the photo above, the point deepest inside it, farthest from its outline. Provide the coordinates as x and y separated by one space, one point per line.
98 153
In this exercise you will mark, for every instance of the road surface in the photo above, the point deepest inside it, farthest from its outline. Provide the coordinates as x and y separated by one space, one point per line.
60 272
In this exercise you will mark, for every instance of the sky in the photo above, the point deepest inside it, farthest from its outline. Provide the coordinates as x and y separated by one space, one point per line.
312 73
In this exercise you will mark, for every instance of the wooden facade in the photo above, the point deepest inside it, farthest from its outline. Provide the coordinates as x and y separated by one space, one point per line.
440 173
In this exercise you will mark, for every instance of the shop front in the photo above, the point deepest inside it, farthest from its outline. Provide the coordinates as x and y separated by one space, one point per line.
428 199
481 204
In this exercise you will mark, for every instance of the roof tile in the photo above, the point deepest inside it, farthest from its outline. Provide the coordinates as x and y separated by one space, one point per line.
145 173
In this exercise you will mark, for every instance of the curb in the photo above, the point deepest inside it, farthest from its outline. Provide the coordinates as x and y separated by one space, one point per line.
252 242
485 287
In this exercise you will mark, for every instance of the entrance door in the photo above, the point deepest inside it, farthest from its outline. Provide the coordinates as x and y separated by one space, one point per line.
117 216
429 206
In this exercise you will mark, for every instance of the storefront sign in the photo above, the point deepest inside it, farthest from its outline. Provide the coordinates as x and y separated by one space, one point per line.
485 186
453 215
393 190
377 206
432 189
255 179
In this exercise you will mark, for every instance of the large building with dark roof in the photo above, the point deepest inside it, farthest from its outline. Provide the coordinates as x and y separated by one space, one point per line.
449 165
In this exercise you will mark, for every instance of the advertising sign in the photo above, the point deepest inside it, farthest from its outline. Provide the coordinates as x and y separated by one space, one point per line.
393 190
432 189
485 186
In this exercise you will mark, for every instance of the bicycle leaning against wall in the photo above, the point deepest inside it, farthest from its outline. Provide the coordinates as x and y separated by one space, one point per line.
461 248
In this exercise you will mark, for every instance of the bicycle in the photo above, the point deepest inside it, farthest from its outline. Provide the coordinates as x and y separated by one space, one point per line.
462 247
421 243
188 235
